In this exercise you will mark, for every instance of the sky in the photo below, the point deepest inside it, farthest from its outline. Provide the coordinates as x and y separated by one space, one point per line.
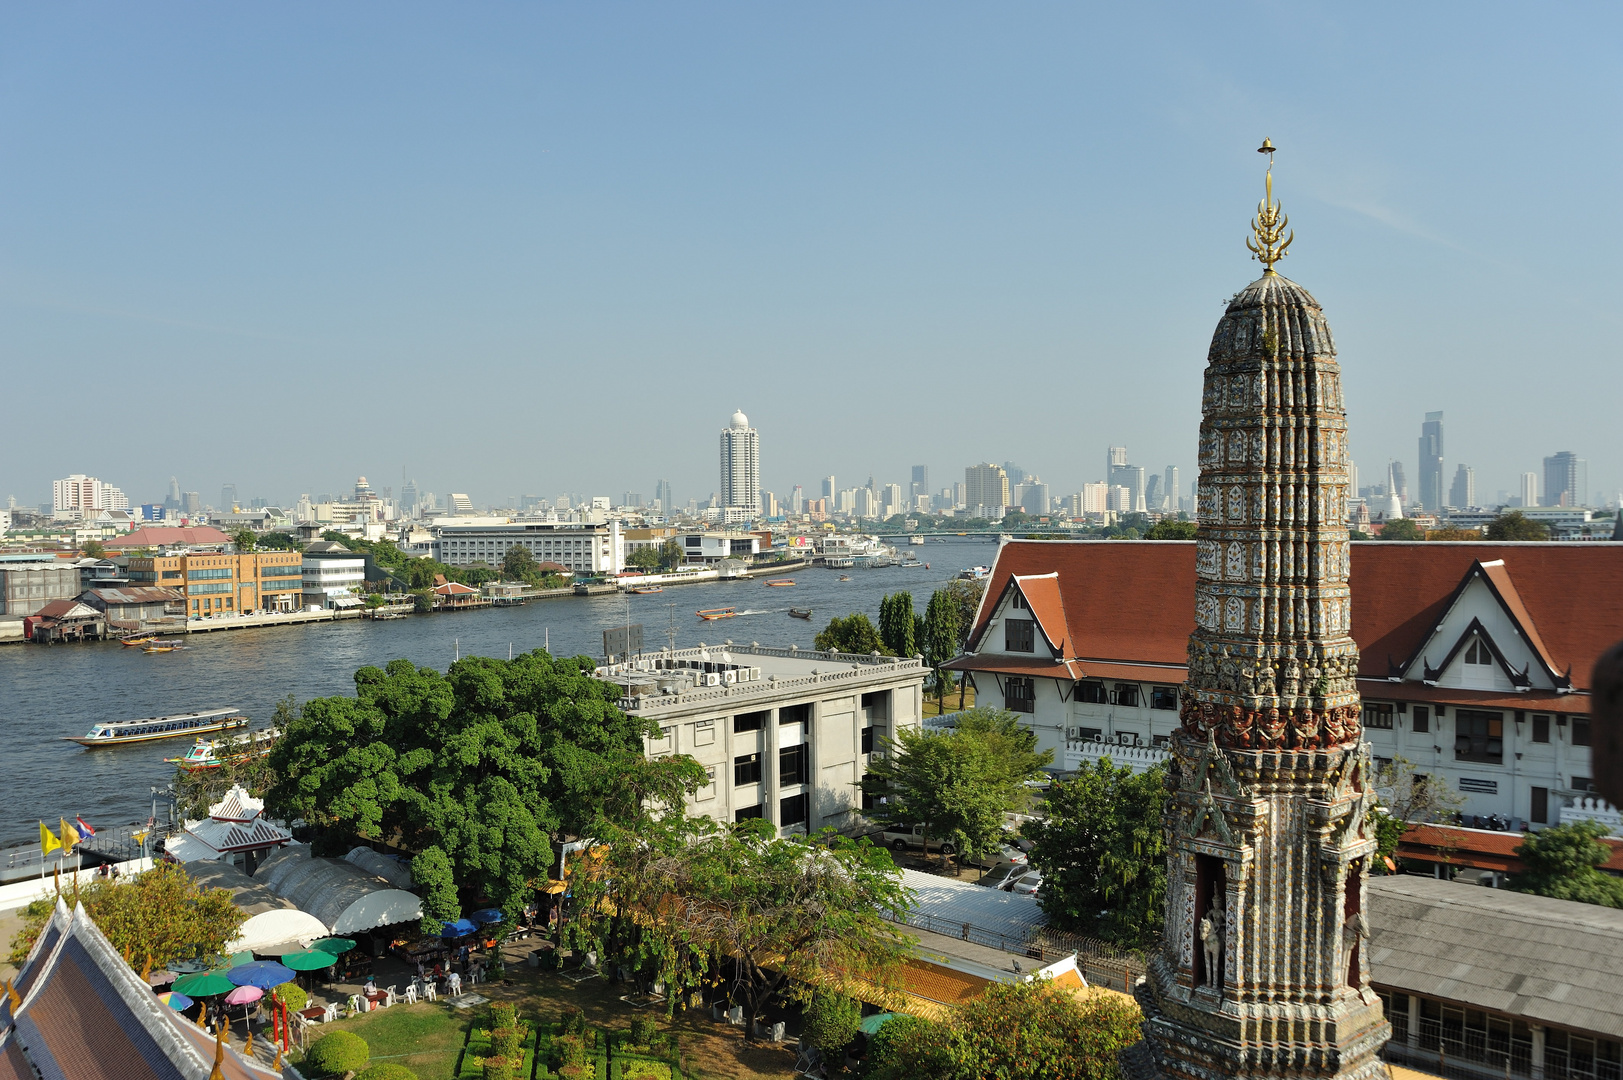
537 248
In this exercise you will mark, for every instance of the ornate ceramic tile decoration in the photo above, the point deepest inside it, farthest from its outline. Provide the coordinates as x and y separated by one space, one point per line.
1261 973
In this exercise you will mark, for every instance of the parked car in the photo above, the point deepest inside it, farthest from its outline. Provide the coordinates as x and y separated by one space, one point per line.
1028 884
1003 875
900 839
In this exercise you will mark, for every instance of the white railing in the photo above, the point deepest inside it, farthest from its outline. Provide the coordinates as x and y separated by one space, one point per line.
1138 758
1594 809
851 666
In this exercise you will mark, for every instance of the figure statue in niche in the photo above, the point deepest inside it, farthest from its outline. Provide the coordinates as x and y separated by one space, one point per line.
1354 933
1211 939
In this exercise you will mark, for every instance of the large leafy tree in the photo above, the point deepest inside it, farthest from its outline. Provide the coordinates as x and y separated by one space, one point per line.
486 765
852 634
1015 1031
1564 862
518 564
957 783
1401 529
896 621
940 638
244 539
1515 525
689 899
1102 853
160 915
1172 529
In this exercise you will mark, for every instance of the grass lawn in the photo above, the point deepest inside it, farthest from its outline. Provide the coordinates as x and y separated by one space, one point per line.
426 1037
930 703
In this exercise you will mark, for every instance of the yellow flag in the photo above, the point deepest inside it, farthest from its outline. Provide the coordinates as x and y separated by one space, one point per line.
140 837
47 842
70 836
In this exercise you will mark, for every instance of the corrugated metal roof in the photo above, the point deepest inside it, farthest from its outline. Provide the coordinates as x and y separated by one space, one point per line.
1011 914
1546 961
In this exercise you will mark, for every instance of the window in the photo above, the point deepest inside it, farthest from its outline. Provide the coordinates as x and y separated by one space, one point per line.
1377 715
1089 734
1164 698
1092 692
1422 718
1019 635
748 722
1396 1007
1018 601
1127 694
792 811
1541 727
1582 783
1478 653
1539 810
207 575
792 765
1020 695
1580 731
704 733
867 740
876 706
747 813
1568 1056
167 574
1479 736
795 714
747 770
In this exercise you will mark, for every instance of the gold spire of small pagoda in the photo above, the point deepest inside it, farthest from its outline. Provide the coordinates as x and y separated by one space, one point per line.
1270 223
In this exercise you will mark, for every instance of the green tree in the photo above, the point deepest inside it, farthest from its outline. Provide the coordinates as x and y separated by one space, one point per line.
279 541
671 555
1401 529
490 763
1514 525
338 1053
518 564
908 1048
896 624
244 539
832 1020
431 870
940 639
422 600
956 784
644 558
852 634
1564 862
93 549
689 898
1170 529
162 914
1102 853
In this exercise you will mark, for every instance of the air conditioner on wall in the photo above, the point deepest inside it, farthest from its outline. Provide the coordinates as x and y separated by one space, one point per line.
712 679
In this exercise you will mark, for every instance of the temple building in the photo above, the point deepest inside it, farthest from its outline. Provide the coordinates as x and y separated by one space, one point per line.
1264 969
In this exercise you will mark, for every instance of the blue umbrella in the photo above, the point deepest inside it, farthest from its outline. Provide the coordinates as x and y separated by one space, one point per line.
487 916
176 1000
460 928
261 973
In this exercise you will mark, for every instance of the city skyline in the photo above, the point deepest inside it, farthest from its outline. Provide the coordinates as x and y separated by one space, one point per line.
500 209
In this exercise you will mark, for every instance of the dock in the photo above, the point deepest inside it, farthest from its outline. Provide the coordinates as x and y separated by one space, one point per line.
279 618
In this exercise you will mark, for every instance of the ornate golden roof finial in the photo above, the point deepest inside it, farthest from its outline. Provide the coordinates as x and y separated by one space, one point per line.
1270 223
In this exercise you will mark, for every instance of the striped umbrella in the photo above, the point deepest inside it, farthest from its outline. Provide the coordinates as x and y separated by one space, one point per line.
176 1000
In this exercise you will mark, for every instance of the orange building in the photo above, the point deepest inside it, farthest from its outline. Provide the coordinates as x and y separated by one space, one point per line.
215 583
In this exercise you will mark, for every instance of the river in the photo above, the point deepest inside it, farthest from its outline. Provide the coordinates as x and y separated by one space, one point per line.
47 692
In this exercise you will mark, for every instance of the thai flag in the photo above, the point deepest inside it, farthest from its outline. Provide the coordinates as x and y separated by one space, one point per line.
84 829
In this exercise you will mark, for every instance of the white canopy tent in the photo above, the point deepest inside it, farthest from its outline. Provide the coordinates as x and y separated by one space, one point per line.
271 919
343 896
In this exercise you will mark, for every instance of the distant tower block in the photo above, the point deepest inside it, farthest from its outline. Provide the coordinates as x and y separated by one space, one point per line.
741 465
1264 969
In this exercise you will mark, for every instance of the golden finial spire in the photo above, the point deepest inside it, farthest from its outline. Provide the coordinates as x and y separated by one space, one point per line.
1270 222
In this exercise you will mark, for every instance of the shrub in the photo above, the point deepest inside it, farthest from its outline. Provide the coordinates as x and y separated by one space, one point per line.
643 1031
292 995
386 1070
497 1068
508 1042
503 1014
336 1053
832 1021
574 1021
571 1051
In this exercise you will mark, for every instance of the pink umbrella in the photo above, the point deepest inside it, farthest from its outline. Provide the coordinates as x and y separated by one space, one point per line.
244 996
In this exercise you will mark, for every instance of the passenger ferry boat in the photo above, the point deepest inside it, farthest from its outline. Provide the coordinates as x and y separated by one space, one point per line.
212 753
120 732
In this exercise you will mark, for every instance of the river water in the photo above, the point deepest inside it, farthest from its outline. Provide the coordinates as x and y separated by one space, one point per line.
47 692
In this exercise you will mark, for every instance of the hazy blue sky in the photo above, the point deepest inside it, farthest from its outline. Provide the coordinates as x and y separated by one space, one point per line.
537 248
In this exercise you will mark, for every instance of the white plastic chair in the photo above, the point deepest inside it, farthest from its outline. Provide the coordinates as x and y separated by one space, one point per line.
411 994
429 993
330 1014
391 993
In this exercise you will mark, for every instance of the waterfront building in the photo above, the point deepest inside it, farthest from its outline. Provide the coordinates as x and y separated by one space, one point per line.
82 496
133 607
28 583
217 582
1566 480
709 548
583 548
986 490
1462 493
330 580
784 734
741 465
1431 462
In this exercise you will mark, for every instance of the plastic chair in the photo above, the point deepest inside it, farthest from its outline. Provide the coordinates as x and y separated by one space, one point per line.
429 993
391 993
330 1014
411 994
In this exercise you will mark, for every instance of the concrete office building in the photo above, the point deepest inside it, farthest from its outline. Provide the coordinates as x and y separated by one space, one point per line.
1462 493
784 734
663 499
28 583
741 465
85 496
583 549
1431 462
332 581
219 582
920 484
1529 494
986 489
1566 480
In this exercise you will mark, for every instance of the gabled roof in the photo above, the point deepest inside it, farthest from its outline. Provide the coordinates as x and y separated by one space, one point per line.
134 594
67 609
237 805
1496 578
454 588
167 536
1041 592
1134 600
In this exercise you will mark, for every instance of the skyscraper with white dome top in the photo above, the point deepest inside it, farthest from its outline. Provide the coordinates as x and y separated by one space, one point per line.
741 466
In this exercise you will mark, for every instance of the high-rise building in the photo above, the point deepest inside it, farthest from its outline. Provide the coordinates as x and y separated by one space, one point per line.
1566 480
173 501
1265 967
663 498
1431 462
1095 497
1152 492
1033 496
1015 474
84 495
228 498
1396 484
741 465
1120 474
408 496
1462 494
829 491
986 487
1116 455
846 501
921 482
1173 491
867 503
797 501
1529 489
891 500
191 503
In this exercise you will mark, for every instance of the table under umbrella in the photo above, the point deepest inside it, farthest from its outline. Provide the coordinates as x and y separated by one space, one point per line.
244 996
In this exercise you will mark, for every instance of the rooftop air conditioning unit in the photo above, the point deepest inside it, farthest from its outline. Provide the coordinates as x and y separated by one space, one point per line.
755 674
729 677
712 679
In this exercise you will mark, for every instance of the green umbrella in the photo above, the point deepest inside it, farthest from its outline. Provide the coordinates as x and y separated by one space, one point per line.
205 984
335 945
314 960
234 960
872 1024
